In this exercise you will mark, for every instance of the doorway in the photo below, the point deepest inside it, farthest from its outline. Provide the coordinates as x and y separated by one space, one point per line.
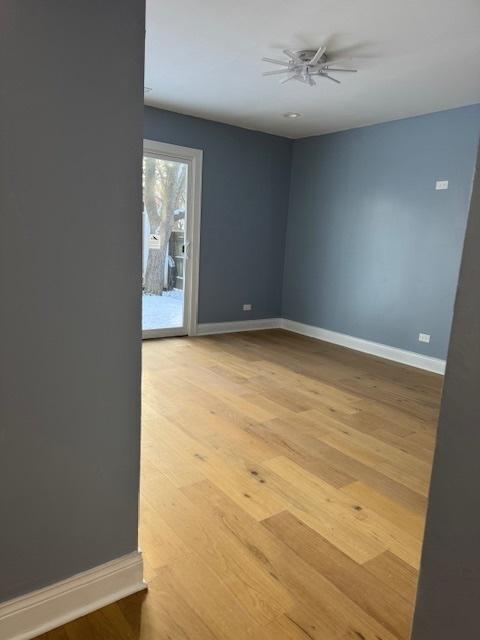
171 234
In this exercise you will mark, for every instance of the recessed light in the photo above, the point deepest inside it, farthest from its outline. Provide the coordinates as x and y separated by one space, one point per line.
147 89
292 115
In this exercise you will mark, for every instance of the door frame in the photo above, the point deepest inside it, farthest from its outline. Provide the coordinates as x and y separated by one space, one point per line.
193 158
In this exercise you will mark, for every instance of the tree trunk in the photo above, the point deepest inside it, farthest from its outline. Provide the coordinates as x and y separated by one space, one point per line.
161 218
155 264
154 274
155 271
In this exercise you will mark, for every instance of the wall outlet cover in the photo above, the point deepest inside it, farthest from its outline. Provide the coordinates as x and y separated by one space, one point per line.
247 307
424 337
441 185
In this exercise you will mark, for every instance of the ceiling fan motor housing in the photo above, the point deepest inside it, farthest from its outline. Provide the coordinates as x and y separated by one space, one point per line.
305 55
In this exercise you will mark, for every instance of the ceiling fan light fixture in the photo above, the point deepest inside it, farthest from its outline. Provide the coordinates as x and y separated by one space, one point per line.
307 65
292 115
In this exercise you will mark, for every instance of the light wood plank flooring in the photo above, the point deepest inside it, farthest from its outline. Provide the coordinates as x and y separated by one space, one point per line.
283 495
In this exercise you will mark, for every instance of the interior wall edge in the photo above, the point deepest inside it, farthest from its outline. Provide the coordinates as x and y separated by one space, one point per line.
71 130
448 587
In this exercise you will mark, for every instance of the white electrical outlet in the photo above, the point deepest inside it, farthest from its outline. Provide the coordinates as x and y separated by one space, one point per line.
440 185
247 307
424 337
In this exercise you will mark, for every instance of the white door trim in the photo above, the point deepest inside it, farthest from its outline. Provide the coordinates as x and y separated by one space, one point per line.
194 159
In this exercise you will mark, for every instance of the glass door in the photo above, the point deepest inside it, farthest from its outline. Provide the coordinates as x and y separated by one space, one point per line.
165 188
172 187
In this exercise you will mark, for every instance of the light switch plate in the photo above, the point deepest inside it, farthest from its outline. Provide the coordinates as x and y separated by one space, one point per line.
247 307
441 185
424 337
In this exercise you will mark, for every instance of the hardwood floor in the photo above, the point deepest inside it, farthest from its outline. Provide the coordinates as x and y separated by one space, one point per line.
283 495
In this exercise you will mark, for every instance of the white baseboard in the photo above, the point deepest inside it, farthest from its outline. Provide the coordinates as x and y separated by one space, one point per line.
40 611
410 358
210 328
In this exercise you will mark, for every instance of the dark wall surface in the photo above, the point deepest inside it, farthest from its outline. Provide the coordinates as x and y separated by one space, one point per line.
71 109
246 178
372 249
449 589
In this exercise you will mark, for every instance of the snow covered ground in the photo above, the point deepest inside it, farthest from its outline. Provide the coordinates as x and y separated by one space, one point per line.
162 312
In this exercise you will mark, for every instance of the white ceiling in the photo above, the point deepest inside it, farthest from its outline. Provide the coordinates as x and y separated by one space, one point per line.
203 57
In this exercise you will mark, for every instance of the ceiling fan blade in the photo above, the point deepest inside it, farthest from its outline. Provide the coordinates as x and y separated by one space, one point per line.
292 77
292 55
325 75
274 73
318 55
343 70
273 61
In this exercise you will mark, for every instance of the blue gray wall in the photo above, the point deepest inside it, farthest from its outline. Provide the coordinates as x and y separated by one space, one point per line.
71 107
246 178
449 587
372 250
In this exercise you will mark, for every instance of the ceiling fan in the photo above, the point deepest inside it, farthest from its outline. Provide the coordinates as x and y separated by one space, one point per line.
306 65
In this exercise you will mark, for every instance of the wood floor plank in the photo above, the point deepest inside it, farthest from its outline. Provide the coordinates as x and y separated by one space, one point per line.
351 525
373 477
319 602
389 569
164 545
323 508
108 623
389 509
391 461
221 433
285 629
301 450
212 600
361 586
283 493
164 613
260 594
